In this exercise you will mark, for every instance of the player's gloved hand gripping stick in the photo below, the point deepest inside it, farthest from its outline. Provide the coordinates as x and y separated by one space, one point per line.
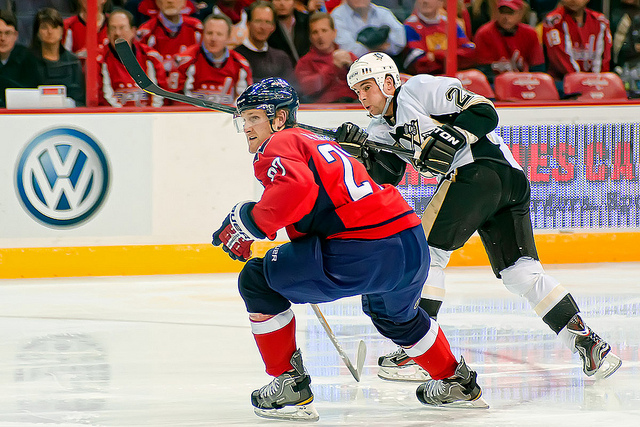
130 62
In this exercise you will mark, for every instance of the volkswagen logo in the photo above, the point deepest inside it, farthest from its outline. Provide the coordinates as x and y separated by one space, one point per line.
62 177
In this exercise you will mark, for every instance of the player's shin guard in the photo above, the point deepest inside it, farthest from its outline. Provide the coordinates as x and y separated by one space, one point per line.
276 341
433 353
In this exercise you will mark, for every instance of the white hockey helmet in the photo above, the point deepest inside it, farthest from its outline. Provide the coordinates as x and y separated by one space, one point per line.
376 65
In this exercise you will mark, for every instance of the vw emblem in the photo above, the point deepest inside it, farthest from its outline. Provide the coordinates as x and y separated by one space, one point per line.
62 177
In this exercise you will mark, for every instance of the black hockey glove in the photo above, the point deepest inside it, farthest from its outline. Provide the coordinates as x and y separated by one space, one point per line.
352 139
439 147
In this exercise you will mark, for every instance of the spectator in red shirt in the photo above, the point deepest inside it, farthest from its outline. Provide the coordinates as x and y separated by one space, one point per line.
117 87
506 44
576 39
75 30
171 33
143 10
322 73
427 45
213 72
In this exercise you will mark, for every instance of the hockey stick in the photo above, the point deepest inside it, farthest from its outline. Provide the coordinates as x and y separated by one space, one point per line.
130 62
362 348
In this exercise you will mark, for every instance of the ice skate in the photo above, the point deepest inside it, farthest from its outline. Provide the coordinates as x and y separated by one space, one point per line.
398 366
595 353
459 390
288 396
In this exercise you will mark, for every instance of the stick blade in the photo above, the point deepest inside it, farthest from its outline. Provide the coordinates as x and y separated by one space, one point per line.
360 357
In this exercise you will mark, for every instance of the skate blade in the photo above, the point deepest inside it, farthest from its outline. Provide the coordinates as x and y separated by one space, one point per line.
290 413
406 374
609 365
477 403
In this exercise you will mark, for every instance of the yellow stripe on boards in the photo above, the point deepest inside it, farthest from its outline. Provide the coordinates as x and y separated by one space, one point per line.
557 248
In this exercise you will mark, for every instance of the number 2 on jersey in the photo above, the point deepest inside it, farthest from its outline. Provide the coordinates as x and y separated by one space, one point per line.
331 154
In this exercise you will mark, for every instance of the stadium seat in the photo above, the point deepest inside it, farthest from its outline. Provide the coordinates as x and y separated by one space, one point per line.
513 86
595 86
475 81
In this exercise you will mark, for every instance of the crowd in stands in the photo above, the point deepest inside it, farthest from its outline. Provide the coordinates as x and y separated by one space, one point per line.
214 49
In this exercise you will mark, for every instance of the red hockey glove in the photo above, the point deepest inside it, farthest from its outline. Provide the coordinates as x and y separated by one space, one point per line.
237 232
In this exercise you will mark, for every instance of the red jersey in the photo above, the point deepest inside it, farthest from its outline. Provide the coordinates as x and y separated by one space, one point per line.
75 36
513 52
571 48
117 87
425 39
320 80
313 187
205 80
149 8
233 11
156 35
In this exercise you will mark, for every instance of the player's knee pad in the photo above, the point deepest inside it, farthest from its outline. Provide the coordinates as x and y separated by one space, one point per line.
406 333
528 279
439 257
433 288
255 291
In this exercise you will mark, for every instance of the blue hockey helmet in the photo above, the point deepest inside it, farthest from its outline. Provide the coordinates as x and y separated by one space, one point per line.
270 95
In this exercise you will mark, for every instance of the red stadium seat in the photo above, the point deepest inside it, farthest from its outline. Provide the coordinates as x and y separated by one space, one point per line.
595 86
513 86
475 81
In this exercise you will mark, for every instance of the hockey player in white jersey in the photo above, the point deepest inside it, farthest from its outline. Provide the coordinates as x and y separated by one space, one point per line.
480 188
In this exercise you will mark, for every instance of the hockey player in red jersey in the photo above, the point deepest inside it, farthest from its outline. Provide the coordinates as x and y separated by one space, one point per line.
117 87
171 33
480 188
75 30
576 39
212 71
349 236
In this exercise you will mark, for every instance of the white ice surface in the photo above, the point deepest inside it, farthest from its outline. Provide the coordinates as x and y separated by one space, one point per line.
178 351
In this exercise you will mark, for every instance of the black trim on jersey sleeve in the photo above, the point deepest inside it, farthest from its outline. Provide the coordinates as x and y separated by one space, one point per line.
479 119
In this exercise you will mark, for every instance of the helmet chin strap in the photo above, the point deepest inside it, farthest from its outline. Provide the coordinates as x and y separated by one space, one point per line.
386 106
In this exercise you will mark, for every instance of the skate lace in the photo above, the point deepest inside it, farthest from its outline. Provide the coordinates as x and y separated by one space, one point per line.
270 389
434 389
400 353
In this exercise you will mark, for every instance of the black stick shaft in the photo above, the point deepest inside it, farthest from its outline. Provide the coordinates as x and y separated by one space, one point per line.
130 62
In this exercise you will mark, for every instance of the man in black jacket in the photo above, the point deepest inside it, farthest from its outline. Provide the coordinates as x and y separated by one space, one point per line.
292 30
18 68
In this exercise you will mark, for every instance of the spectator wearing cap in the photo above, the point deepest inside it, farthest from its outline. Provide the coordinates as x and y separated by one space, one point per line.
576 39
506 44
427 44
365 27
322 73
18 67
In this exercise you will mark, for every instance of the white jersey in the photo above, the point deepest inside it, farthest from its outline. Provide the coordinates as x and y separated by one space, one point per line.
431 101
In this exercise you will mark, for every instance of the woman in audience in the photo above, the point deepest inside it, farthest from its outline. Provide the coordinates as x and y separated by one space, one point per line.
57 65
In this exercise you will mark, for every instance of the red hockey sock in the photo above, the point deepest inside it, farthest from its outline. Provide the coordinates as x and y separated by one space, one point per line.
276 339
434 354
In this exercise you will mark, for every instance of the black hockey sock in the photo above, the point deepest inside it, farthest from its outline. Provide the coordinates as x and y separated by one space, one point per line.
558 317
431 306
